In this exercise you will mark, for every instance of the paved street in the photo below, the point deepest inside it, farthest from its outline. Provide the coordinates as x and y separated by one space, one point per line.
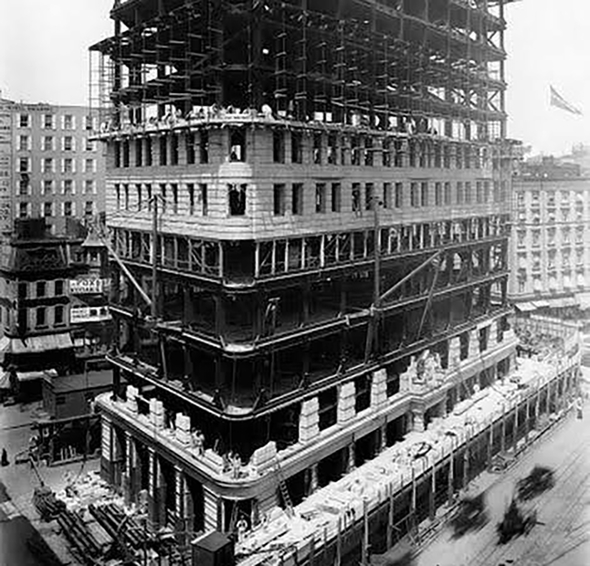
563 539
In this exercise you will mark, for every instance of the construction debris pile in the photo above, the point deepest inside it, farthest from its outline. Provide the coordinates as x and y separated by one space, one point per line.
538 345
99 528
333 507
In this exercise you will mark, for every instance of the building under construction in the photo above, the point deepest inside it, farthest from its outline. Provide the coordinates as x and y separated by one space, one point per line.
309 208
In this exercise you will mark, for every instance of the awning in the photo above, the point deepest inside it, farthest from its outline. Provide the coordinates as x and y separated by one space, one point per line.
525 307
4 380
541 304
23 376
4 344
37 344
583 300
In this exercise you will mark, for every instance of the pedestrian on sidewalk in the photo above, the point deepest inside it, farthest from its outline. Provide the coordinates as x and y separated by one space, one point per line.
4 459
579 407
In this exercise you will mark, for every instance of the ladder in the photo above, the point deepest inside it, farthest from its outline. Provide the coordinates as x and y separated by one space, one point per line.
283 489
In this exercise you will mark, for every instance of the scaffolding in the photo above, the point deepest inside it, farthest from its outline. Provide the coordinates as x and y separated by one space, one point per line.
417 67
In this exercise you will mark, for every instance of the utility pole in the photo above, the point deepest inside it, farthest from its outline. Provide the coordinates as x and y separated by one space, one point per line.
377 253
154 308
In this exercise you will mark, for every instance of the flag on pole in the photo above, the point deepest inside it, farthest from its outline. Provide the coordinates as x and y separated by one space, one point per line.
559 102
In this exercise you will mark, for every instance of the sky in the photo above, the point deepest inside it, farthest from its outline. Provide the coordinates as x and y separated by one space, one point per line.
44 58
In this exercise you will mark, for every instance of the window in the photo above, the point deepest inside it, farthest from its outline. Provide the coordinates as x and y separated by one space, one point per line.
68 143
438 196
369 196
89 187
355 155
486 191
237 145
67 187
297 199
90 166
148 196
40 319
336 197
117 154
47 186
47 144
237 199
24 143
126 196
89 145
47 209
24 121
89 208
278 146
386 153
58 315
279 200
362 393
328 408
148 152
204 147
399 195
296 147
163 150
320 198
68 208
478 192
468 196
67 165
460 194
386 195
174 189
369 151
414 195
48 121
483 338
464 346
125 148
332 149
204 199
41 289
447 194
173 149
59 287
24 186
163 202
88 123
68 122
190 189
23 209
317 149
356 197
24 164
191 154
424 194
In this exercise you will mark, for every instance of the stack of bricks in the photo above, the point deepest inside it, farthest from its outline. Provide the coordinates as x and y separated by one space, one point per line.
264 457
346 402
474 344
157 413
131 402
379 388
183 428
493 334
454 352
309 420
214 460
